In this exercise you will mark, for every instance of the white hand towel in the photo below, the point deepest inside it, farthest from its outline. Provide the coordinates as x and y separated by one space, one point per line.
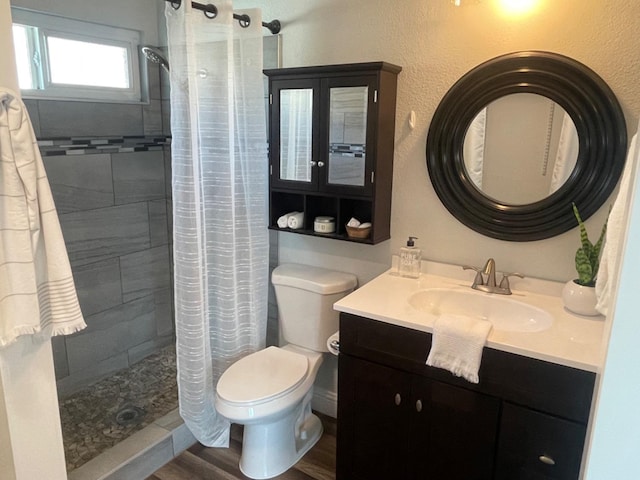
283 221
37 292
457 345
616 228
296 220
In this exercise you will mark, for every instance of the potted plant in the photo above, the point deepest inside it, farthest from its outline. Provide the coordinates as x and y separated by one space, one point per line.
579 294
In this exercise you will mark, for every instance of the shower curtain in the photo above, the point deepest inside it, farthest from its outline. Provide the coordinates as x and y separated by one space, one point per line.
219 180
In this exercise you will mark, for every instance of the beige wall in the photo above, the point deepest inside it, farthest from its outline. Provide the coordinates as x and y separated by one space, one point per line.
436 43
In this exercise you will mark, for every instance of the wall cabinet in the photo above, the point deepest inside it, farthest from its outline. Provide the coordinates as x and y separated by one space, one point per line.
398 418
331 141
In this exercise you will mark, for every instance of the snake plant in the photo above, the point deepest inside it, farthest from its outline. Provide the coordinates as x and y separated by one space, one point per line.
588 255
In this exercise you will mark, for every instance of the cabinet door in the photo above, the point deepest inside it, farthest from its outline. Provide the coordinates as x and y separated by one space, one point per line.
293 145
348 130
453 432
536 446
372 424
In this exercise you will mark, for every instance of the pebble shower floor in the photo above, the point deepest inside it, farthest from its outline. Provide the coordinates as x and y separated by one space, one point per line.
97 417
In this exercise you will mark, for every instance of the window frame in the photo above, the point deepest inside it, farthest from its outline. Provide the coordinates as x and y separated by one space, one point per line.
49 25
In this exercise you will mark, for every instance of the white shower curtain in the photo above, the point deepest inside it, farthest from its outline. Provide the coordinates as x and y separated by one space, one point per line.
219 179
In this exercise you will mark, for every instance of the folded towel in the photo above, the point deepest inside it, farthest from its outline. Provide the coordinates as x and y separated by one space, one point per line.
353 222
283 221
37 292
616 228
457 345
296 220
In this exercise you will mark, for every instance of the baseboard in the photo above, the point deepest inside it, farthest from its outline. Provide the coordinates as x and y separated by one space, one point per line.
325 401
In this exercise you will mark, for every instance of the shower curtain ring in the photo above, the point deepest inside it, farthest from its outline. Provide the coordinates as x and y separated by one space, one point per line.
210 11
176 4
244 20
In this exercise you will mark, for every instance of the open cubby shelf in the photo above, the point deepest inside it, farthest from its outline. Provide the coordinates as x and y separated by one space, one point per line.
341 209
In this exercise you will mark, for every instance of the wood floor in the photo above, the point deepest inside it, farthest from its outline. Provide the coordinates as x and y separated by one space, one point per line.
202 463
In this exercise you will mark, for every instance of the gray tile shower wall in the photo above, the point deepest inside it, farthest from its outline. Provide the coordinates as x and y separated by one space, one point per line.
114 203
109 180
116 228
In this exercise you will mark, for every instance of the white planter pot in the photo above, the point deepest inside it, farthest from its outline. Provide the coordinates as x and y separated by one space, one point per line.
579 299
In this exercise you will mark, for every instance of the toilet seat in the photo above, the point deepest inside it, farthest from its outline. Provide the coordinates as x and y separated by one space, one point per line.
262 376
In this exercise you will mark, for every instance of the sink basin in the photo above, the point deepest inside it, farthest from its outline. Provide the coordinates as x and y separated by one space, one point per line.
503 312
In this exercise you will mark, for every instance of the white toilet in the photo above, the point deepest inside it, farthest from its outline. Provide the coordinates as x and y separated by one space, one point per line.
270 391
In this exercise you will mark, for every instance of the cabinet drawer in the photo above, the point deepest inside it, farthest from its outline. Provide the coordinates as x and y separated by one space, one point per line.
551 388
537 446
383 343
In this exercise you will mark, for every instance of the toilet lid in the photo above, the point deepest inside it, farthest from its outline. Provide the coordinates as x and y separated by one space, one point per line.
262 376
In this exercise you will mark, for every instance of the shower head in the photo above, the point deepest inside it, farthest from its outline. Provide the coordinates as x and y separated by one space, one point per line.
156 56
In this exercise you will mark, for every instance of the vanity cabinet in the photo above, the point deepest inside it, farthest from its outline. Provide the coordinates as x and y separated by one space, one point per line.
406 426
331 142
398 418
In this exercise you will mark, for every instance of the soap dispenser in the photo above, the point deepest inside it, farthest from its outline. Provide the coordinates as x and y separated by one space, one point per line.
409 262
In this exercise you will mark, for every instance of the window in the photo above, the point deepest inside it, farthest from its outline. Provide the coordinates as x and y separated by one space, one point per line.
63 58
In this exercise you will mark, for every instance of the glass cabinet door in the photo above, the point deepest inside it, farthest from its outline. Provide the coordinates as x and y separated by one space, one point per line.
320 132
347 135
296 134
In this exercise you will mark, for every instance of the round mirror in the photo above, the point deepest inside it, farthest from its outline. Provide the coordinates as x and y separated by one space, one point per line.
520 137
520 148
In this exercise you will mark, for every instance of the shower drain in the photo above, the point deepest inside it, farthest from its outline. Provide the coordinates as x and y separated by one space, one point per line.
129 415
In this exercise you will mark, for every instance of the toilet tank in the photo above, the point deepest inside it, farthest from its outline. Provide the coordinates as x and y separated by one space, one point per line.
305 297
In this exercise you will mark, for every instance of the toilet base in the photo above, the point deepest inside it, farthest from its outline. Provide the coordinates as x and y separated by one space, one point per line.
273 448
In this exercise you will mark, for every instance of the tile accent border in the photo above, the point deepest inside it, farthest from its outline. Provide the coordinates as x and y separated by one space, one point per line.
92 145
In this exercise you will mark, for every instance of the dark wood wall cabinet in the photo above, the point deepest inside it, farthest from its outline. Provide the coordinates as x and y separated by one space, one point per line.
399 419
331 142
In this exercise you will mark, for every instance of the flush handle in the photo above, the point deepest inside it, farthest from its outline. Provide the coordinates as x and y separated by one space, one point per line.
418 406
547 460
398 399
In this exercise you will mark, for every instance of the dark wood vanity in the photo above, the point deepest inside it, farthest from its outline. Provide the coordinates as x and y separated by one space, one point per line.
331 143
400 419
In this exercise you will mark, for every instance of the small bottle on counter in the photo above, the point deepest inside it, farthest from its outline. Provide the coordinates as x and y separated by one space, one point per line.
409 261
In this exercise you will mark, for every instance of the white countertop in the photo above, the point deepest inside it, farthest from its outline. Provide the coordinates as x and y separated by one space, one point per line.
572 340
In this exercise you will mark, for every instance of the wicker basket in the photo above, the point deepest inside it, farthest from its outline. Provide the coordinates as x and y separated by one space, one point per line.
355 232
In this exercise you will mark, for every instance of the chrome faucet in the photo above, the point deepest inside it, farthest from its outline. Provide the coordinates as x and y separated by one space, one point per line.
485 279
490 271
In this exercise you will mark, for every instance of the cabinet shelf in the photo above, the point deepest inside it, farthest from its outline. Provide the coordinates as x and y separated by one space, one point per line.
334 236
331 142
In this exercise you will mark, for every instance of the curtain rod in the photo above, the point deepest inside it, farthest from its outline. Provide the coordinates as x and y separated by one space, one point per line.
211 11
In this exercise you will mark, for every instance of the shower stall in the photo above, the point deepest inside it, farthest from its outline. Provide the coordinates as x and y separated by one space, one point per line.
109 167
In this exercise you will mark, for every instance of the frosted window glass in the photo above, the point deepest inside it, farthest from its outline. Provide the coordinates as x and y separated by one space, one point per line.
74 62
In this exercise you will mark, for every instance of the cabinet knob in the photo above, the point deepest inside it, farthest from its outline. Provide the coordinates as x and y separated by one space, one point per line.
321 164
418 406
313 163
398 399
547 460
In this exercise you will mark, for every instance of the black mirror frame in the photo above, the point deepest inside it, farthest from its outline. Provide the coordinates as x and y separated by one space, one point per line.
589 102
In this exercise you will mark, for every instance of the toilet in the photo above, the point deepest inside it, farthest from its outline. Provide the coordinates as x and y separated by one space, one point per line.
270 391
